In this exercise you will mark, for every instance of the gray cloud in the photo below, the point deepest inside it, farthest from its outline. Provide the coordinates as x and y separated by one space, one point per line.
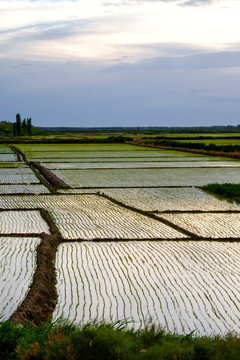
171 49
65 93
210 60
179 90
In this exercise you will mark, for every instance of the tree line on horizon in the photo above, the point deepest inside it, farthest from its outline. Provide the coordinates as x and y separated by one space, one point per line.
22 127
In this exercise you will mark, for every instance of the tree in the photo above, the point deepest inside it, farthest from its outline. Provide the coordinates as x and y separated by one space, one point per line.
18 124
24 127
14 129
29 126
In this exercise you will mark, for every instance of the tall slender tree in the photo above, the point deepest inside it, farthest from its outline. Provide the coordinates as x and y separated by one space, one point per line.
18 124
24 127
29 126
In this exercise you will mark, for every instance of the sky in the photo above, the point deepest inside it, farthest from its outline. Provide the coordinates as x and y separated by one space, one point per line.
106 63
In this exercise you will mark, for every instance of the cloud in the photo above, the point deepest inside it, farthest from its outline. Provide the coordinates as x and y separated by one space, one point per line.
169 49
53 0
201 60
123 58
68 93
89 29
119 3
50 30
199 2
222 99
68 39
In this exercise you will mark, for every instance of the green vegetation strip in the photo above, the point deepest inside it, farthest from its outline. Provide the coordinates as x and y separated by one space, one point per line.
109 342
229 150
227 191
226 148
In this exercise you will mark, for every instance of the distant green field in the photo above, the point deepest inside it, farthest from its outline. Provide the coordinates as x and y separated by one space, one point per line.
95 154
39 135
213 135
213 141
78 147
71 152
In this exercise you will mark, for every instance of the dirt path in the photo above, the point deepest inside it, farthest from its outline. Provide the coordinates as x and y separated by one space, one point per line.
40 301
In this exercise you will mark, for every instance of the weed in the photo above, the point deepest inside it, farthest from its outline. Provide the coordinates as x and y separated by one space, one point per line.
63 341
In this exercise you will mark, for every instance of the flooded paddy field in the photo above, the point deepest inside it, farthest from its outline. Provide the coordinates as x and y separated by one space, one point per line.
21 175
138 239
148 177
210 226
141 165
167 159
8 157
169 199
182 286
17 265
23 189
7 154
88 217
18 222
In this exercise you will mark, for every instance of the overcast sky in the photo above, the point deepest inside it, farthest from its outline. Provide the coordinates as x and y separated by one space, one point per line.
120 62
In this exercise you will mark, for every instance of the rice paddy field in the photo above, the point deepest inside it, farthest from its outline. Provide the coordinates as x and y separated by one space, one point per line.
7 154
22 222
148 177
141 165
169 199
17 265
171 283
21 175
23 189
138 239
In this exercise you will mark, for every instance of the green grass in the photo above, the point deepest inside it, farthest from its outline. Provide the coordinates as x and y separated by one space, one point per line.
109 342
227 191
6 129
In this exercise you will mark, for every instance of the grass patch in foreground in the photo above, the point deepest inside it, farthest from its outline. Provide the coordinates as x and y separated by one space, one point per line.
228 191
108 342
